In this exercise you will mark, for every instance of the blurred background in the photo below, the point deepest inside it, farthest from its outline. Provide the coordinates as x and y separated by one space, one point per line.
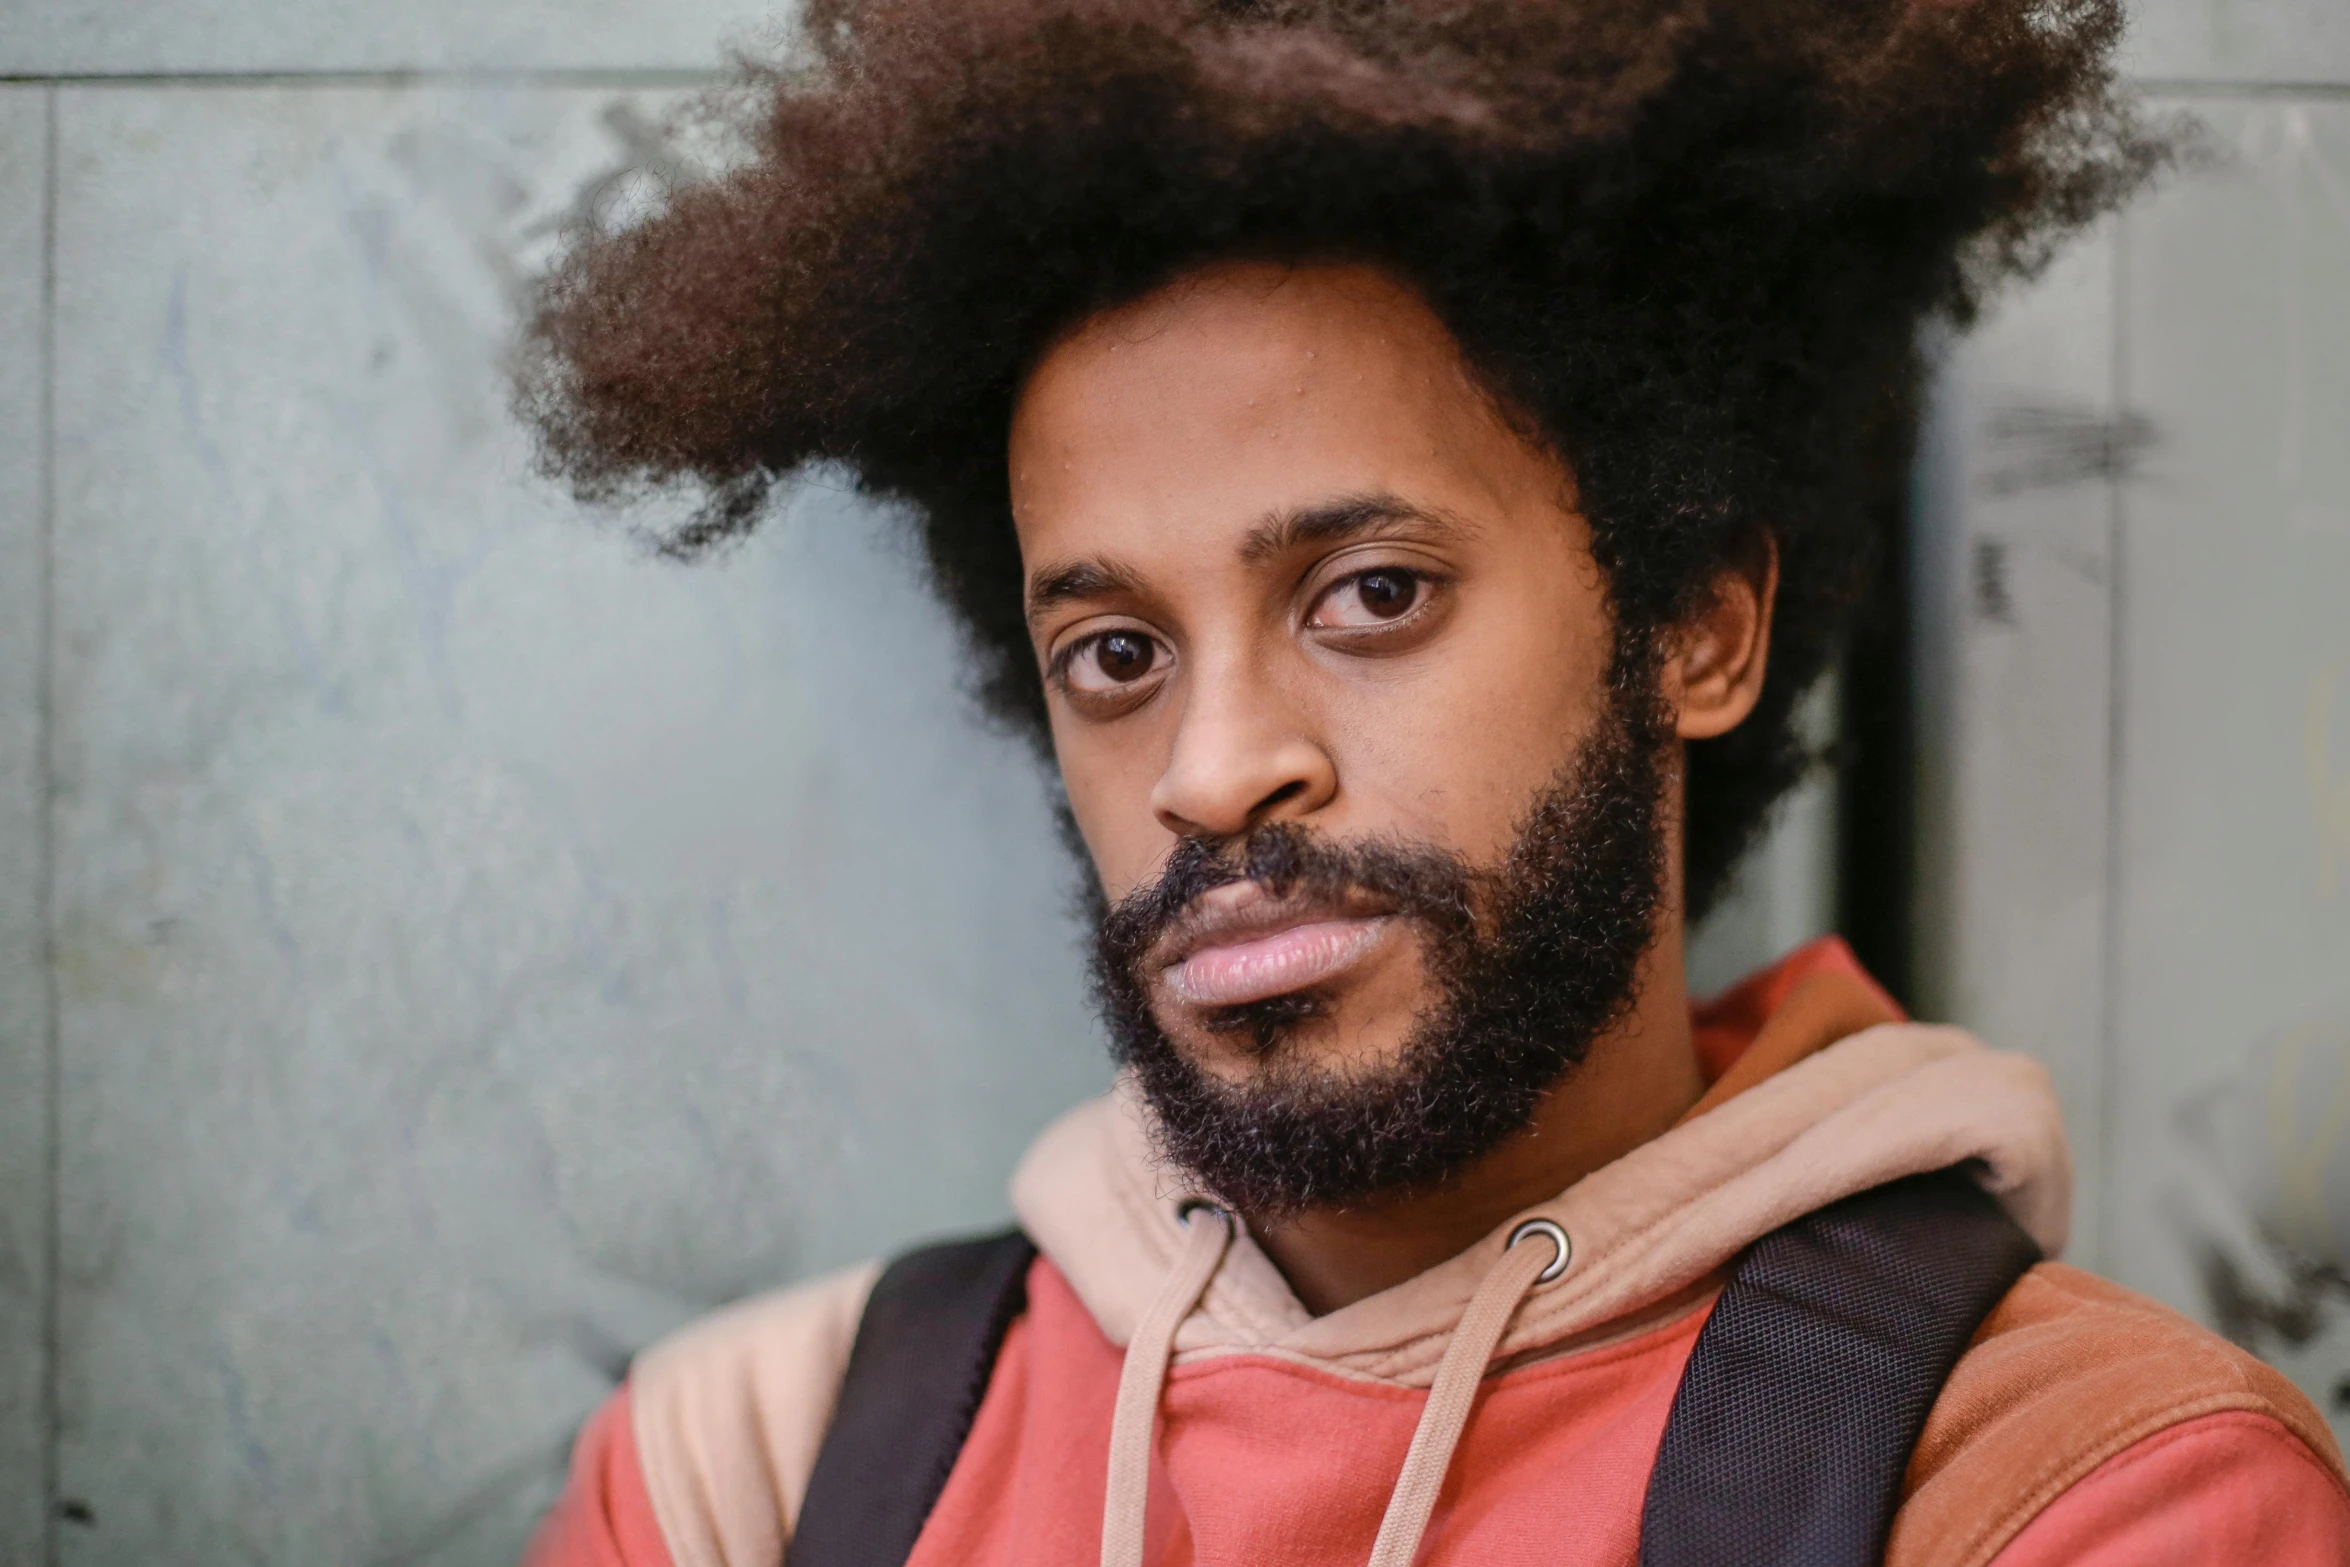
443 947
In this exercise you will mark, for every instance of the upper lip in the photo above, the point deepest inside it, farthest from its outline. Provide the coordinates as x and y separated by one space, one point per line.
1243 911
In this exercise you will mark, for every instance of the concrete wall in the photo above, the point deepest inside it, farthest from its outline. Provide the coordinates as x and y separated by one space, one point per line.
26 1001
440 946
475 946
2135 637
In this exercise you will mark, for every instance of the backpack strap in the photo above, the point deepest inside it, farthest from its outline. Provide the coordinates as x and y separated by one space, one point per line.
925 1350
1810 1382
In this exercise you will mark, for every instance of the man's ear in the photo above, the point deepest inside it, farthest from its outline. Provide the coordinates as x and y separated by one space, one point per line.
1714 667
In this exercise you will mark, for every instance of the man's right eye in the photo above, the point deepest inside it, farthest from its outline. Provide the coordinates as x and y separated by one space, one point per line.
1111 660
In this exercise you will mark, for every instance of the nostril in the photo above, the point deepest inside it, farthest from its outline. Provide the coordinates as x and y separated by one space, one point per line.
1288 791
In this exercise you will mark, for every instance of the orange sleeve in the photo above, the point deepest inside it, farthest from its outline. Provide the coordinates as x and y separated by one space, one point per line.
2226 1490
604 1517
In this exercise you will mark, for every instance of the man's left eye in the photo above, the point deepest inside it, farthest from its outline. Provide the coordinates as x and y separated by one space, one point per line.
1371 598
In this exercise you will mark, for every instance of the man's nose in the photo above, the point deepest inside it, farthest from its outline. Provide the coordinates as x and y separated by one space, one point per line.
1242 758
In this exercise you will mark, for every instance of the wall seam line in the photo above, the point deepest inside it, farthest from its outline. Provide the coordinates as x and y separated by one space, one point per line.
2110 1130
45 871
2222 89
624 77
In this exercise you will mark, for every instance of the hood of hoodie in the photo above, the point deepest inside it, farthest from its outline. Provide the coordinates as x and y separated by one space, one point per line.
1813 1109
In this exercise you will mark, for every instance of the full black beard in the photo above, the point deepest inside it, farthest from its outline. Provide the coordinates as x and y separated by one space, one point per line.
1532 961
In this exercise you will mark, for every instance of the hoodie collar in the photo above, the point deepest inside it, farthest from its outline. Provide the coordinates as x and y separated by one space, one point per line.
1828 1094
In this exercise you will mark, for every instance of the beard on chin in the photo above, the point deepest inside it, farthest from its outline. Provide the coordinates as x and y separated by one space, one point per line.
1529 962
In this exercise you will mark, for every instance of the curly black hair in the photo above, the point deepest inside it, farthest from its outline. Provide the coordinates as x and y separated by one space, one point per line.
1689 243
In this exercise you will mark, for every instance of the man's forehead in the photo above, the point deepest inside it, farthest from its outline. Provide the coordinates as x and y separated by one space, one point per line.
1231 349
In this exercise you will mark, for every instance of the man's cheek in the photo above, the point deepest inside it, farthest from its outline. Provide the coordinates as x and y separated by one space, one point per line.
1121 838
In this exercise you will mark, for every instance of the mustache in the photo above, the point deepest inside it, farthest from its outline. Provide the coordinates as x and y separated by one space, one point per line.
1293 864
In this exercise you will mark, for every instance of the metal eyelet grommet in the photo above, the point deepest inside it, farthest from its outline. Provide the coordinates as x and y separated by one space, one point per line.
1191 1205
1558 1238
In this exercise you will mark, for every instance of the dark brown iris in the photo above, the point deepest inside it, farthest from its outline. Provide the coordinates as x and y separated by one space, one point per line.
1385 594
1124 655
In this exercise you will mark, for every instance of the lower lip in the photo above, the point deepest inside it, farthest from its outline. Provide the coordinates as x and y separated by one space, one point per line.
1273 965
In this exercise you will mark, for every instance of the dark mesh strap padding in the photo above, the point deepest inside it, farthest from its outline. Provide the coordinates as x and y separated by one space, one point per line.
925 1350
1810 1382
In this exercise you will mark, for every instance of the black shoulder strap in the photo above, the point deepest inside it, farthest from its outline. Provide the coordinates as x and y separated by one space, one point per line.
1810 1382
924 1352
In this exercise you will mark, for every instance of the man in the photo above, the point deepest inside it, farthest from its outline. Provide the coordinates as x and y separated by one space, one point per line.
1408 459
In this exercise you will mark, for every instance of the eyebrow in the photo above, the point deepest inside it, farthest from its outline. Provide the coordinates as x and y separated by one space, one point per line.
1078 579
1330 522
1334 521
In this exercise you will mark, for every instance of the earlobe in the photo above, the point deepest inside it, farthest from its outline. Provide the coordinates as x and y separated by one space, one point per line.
1714 676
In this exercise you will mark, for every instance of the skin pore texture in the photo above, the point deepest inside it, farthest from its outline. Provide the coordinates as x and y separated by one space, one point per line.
1288 562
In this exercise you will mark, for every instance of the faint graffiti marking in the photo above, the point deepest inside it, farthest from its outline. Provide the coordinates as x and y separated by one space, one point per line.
1993 600
646 169
493 199
2035 446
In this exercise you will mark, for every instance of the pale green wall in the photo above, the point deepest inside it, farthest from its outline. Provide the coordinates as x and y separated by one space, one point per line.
477 946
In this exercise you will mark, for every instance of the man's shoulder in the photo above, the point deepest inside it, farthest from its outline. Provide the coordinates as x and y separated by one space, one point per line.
2069 1372
2110 1360
752 1337
729 1413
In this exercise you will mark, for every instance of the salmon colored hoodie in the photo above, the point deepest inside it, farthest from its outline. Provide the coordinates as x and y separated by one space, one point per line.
2085 1424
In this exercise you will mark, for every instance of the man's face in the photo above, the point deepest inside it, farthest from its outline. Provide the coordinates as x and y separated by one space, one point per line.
1305 600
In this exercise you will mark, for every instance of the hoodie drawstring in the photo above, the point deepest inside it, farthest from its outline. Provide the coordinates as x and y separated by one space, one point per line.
1474 1339
1207 1231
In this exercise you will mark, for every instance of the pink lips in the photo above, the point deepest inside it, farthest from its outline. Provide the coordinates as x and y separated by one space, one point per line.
1273 964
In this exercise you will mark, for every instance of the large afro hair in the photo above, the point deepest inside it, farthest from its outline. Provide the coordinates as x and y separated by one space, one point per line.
1690 243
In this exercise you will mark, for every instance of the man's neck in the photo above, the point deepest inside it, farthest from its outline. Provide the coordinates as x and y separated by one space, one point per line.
1639 1078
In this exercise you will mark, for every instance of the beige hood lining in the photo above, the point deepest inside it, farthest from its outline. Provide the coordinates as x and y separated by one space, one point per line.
1889 1101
